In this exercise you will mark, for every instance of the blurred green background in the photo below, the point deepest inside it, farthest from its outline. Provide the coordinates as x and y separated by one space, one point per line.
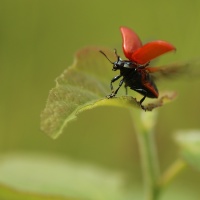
38 39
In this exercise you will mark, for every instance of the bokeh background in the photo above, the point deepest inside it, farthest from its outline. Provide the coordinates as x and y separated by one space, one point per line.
38 39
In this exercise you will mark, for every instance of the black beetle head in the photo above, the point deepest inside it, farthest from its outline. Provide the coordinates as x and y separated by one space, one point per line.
117 64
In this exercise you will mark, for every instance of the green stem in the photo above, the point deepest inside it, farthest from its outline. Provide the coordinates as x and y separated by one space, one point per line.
153 182
149 164
145 134
172 172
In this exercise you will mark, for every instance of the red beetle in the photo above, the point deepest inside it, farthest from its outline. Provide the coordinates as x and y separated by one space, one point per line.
135 72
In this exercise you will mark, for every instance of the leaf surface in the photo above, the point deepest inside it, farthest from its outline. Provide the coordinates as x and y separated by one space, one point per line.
83 86
189 142
38 177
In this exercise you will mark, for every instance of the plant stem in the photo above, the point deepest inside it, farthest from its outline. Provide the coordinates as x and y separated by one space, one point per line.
145 134
149 164
172 172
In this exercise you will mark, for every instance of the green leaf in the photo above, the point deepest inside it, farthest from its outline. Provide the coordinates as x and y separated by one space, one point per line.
7 193
84 86
189 142
38 175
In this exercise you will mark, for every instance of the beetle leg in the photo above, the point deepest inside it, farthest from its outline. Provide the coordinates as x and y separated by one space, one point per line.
113 80
126 90
120 84
143 92
143 98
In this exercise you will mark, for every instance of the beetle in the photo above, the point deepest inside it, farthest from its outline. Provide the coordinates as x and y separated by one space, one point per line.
136 72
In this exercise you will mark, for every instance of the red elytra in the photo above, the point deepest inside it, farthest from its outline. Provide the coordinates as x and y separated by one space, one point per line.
135 72
135 51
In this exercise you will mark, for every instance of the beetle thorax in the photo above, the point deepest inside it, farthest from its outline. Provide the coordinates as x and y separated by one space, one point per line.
119 64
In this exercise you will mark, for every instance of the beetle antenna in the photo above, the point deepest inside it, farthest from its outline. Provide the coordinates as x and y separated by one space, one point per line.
106 57
115 51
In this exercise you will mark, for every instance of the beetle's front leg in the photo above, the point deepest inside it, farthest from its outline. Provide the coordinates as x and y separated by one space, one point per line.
126 89
113 80
115 92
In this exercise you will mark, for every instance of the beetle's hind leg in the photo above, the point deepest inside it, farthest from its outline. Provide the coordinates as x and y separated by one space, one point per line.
143 98
144 92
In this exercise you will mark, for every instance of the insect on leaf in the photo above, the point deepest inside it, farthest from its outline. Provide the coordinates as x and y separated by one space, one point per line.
83 86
